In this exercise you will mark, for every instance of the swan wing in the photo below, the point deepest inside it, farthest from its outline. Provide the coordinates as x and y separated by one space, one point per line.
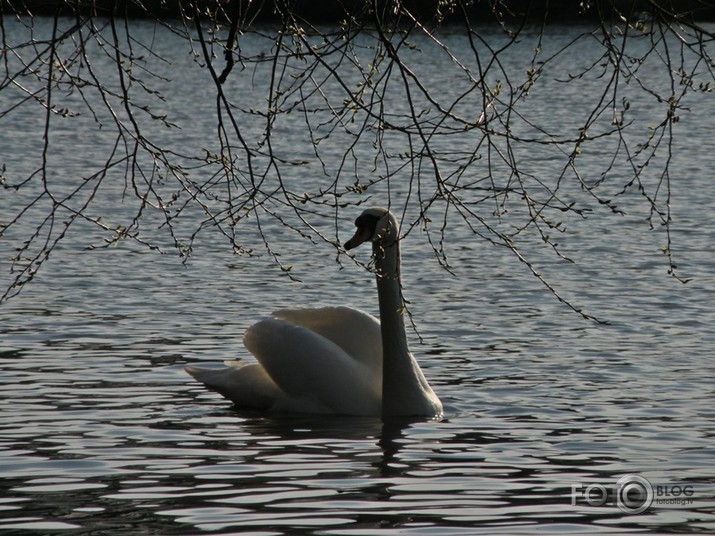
356 332
313 370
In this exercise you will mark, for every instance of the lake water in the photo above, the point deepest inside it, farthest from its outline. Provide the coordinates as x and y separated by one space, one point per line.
104 433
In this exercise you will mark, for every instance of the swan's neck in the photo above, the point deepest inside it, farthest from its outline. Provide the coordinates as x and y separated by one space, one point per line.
394 337
402 381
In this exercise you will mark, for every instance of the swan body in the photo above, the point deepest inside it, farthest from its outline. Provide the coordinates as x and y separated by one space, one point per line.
334 360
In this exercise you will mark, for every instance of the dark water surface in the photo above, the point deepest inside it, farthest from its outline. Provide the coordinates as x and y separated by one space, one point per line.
102 432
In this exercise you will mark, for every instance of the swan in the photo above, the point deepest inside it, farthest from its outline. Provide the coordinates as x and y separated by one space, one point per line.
334 360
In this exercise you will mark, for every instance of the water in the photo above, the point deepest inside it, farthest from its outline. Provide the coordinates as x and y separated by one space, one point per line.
103 432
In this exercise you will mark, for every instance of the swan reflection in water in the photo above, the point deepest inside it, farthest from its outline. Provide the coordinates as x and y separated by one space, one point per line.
334 360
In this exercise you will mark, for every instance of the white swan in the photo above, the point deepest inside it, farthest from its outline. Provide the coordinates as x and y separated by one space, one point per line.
334 360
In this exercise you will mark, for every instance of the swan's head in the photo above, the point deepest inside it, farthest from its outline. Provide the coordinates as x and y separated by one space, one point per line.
375 224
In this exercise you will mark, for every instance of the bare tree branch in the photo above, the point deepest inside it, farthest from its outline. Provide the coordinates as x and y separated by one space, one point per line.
464 153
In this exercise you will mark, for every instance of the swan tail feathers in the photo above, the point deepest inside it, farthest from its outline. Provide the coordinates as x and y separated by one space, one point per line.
246 385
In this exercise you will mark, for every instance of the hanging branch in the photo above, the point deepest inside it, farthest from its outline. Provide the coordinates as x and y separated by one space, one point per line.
440 156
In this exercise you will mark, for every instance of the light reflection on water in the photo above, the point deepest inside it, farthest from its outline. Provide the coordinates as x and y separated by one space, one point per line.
144 449
103 432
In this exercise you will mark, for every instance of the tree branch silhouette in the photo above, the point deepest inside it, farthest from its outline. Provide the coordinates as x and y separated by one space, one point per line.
442 154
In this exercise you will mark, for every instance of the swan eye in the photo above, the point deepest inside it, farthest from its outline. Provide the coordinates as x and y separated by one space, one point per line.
367 221
366 225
